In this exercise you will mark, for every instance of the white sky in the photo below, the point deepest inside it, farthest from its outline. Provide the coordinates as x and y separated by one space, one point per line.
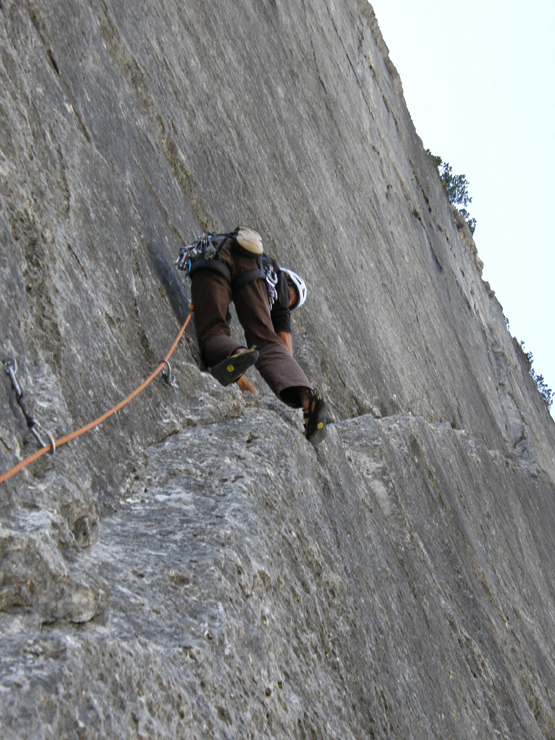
479 81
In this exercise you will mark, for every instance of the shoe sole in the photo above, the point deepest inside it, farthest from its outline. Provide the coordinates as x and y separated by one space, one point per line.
320 426
318 436
231 369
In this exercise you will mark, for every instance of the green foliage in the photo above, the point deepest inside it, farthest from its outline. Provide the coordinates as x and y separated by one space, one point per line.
456 187
545 392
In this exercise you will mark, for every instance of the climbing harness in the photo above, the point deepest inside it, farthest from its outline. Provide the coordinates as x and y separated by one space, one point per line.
55 444
203 253
265 271
10 366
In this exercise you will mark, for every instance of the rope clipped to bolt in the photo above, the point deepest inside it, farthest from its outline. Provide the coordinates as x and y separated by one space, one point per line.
55 444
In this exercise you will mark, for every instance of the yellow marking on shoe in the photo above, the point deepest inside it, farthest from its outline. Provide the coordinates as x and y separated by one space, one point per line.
230 368
321 425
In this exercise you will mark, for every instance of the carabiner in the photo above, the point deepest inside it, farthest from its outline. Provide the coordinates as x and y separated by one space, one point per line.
10 366
168 376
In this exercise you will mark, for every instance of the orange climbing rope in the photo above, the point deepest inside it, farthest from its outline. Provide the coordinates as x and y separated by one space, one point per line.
59 442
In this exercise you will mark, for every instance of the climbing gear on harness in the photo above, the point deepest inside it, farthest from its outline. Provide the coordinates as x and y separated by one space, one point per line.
10 366
204 248
249 239
315 418
202 254
58 443
231 369
298 285
271 278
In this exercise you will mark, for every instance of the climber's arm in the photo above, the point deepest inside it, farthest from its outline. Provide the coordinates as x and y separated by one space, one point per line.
287 339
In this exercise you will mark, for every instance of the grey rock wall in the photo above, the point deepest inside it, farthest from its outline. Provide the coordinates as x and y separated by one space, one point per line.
192 568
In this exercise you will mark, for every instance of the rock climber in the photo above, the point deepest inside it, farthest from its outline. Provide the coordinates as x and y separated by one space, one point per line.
233 267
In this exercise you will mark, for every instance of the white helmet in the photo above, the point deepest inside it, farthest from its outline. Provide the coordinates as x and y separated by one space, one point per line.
298 284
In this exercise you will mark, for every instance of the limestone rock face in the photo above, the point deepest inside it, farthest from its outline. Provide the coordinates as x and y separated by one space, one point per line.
192 568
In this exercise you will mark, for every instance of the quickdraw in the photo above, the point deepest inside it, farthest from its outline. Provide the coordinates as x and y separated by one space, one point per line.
204 248
10 366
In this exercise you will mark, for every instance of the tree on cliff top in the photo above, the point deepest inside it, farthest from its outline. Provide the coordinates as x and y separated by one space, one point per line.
545 391
456 187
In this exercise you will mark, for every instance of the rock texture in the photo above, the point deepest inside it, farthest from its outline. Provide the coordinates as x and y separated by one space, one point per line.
193 568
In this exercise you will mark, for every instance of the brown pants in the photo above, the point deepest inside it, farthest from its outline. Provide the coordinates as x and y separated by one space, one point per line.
211 296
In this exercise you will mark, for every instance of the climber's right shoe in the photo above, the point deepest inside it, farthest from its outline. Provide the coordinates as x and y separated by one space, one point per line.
315 418
231 369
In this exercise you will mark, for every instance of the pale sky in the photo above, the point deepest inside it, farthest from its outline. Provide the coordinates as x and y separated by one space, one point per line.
479 82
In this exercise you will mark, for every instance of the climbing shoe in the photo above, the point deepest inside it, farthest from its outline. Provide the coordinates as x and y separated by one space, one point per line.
231 369
315 418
